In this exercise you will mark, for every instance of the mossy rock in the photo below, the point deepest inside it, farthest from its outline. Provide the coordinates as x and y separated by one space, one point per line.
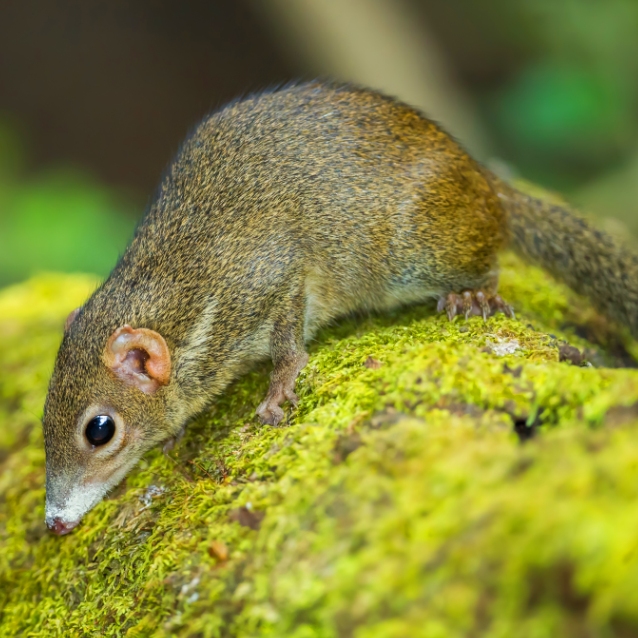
438 479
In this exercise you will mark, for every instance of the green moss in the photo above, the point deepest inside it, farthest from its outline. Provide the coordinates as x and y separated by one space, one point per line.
397 501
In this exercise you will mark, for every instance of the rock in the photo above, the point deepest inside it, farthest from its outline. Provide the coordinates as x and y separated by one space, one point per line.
399 500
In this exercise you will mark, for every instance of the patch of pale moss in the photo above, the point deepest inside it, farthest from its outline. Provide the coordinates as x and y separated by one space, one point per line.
397 501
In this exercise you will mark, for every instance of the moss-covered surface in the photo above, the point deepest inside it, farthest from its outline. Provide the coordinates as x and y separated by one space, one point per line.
399 500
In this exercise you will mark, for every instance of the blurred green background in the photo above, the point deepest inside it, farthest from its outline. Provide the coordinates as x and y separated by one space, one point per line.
95 98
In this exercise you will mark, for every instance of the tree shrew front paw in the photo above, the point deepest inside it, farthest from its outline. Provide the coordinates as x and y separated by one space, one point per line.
269 410
282 389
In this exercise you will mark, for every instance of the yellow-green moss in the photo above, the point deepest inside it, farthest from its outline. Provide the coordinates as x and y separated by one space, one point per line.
398 500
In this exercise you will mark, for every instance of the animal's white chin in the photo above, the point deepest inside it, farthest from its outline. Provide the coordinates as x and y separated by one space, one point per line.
79 501
62 517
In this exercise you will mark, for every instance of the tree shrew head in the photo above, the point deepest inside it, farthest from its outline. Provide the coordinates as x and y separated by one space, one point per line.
104 409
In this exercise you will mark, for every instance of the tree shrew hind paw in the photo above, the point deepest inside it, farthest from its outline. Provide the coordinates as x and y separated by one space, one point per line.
473 302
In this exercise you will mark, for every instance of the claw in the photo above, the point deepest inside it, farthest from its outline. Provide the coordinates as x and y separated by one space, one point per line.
504 307
467 304
484 304
508 311
451 306
292 398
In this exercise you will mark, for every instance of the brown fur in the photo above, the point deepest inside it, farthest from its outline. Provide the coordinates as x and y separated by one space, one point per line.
280 212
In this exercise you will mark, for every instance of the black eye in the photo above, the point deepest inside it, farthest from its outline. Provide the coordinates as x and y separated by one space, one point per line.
100 430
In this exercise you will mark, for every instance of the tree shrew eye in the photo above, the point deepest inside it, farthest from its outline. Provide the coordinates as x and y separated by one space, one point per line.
100 430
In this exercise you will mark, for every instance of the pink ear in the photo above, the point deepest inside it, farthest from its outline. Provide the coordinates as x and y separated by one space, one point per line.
70 319
140 357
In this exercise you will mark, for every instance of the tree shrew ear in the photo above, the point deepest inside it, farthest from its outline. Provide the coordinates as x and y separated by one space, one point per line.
70 319
140 357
